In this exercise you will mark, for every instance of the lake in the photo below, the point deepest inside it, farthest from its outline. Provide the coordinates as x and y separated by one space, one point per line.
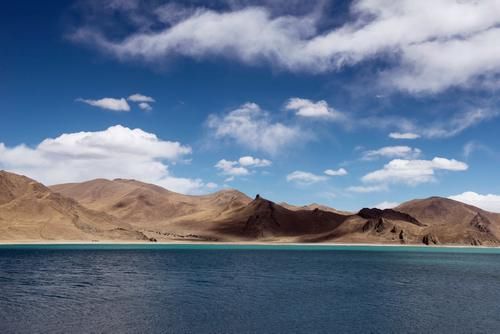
247 289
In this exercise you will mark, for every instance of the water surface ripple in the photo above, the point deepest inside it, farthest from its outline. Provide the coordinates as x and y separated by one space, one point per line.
186 290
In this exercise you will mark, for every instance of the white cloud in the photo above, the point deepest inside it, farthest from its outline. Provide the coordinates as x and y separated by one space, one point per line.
458 123
473 146
386 205
393 152
436 64
252 127
405 135
241 167
143 101
211 185
456 43
117 152
338 172
108 103
250 161
445 127
231 168
304 178
145 106
413 172
140 98
487 202
310 109
368 189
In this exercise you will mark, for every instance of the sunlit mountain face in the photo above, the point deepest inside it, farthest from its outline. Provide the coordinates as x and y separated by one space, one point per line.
347 104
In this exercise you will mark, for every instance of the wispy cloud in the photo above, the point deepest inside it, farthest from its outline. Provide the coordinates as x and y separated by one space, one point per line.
108 103
305 178
297 43
458 123
145 106
140 98
405 152
144 102
404 135
445 127
368 189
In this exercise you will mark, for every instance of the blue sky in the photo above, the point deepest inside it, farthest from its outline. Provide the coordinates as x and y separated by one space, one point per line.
300 103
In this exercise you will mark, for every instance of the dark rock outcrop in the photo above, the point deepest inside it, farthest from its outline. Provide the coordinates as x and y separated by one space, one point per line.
402 237
391 214
374 225
429 239
481 223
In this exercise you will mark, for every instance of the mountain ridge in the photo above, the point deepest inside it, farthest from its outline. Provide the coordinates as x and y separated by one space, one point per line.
130 210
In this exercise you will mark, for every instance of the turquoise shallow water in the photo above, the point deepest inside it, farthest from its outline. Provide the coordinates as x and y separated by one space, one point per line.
197 288
290 247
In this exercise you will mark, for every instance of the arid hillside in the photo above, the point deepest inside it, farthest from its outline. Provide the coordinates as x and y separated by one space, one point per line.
29 211
129 210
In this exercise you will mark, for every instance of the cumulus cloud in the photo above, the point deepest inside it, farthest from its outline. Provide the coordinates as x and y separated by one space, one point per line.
232 168
117 152
249 161
338 172
386 205
310 109
405 152
404 135
140 98
413 172
455 44
488 202
241 167
108 103
304 178
252 127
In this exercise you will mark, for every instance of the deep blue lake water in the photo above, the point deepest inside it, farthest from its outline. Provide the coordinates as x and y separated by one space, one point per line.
221 289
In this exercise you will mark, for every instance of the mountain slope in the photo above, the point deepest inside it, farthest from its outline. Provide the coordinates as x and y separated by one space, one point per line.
138 203
454 222
32 212
263 219
132 210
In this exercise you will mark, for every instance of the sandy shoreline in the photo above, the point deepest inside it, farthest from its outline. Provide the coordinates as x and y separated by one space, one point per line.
239 243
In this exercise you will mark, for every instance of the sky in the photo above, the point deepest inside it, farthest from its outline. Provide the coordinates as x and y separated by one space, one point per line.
345 103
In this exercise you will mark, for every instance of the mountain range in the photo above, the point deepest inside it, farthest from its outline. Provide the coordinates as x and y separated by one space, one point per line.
129 210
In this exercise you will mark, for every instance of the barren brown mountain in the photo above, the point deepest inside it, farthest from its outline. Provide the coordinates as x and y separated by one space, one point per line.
159 213
29 211
130 210
450 221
